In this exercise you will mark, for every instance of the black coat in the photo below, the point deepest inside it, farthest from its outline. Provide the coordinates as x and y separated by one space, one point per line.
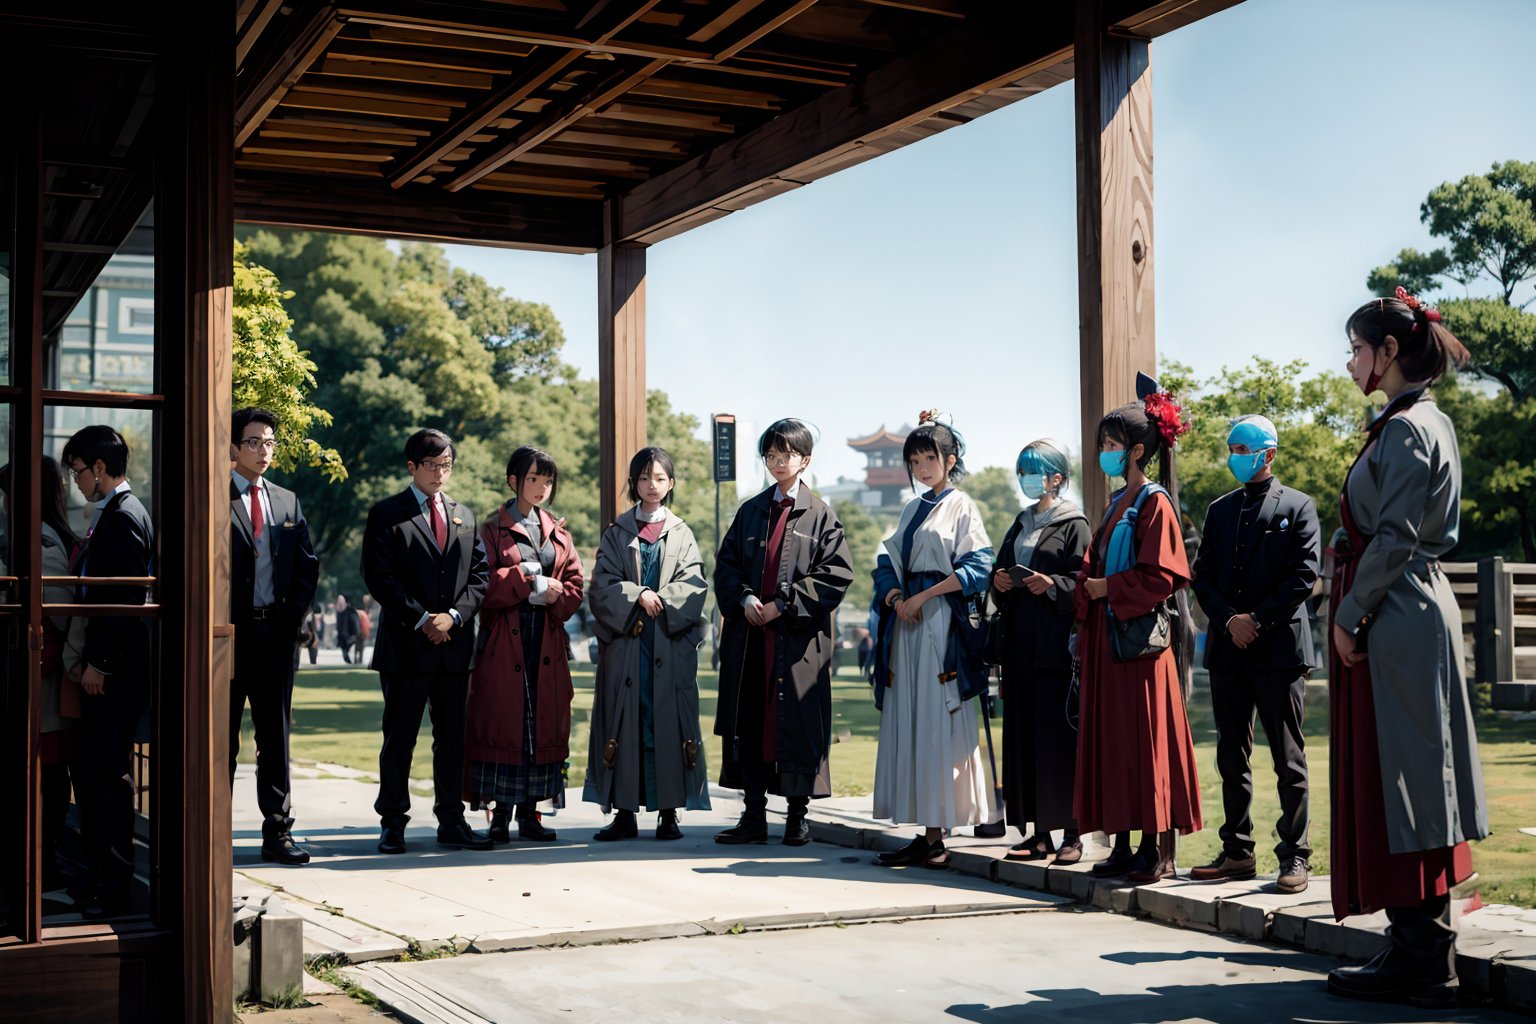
815 571
122 648
1035 629
1272 584
295 569
408 576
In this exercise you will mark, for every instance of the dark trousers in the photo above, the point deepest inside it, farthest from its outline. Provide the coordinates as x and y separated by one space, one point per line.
406 696
755 777
346 645
104 791
1278 698
264 677
1424 935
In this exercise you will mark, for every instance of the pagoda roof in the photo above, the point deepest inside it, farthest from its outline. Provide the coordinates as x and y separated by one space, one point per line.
881 438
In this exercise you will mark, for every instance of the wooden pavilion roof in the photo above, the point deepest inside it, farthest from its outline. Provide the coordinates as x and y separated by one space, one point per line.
881 438
568 124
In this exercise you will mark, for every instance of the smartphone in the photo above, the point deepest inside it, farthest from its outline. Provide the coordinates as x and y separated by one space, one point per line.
1019 573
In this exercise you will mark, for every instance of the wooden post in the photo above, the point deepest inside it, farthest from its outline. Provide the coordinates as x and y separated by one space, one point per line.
194 247
1113 87
1494 658
620 365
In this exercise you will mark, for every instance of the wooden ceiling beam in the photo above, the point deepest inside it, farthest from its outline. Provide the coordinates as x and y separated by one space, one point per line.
563 113
315 202
999 46
307 33
763 18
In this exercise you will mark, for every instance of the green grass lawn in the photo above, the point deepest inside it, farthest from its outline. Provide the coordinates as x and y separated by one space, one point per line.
337 715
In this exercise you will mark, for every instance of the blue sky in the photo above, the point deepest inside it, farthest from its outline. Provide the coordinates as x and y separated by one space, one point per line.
1293 143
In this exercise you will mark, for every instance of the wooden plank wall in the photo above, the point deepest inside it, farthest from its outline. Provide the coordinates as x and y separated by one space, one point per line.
1114 226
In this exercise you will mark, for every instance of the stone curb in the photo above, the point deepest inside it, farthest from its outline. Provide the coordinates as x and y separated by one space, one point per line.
1496 944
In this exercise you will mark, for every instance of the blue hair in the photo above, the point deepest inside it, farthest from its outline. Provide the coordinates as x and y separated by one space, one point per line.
1043 456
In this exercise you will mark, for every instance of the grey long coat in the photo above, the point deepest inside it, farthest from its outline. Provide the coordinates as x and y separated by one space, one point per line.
1405 495
614 589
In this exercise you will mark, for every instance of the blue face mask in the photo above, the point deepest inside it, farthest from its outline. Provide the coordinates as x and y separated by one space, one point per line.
1112 463
1033 485
1244 467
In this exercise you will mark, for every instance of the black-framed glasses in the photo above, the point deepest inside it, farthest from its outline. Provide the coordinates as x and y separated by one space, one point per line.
259 444
433 464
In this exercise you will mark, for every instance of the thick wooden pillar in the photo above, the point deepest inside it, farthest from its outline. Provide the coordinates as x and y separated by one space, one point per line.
194 250
620 366
1113 88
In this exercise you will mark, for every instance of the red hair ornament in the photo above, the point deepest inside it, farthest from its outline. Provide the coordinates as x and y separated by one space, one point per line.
1413 303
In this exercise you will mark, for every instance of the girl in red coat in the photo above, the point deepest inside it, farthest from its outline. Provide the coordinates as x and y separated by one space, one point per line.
519 719
1135 758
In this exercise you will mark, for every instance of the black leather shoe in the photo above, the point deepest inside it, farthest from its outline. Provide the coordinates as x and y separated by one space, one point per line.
623 826
918 851
531 827
460 836
392 840
797 831
751 828
1388 978
283 850
666 825
501 825
1120 861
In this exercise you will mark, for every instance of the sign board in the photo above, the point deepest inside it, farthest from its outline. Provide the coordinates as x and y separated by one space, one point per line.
725 447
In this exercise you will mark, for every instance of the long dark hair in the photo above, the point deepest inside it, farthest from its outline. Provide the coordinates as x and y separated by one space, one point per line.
55 511
1426 348
1130 425
529 459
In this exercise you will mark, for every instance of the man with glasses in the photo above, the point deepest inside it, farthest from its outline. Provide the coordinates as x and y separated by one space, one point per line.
118 658
425 566
272 577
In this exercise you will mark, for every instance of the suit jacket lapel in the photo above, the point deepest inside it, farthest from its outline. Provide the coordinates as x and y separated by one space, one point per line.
418 516
241 516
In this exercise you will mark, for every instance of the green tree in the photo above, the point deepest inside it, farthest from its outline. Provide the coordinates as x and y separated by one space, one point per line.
1318 420
996 492
864 533
269 370
1488 225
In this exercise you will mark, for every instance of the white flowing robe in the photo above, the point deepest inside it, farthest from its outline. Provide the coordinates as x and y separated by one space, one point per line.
928 768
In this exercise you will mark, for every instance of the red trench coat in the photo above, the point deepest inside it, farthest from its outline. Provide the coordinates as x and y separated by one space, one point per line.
494 727
1135 756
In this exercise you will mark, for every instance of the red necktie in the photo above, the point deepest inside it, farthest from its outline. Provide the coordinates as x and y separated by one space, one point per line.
258 521
439 528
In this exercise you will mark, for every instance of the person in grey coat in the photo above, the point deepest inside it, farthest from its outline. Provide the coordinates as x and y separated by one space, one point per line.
1407 783
647 597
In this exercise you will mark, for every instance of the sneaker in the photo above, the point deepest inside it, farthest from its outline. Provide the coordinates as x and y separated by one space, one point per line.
1226 867
1293 875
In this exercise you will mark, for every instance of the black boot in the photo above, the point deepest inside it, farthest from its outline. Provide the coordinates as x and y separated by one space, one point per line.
1419 967
666 825
621 827
797 832
1119 861
529 826
752 828
501 824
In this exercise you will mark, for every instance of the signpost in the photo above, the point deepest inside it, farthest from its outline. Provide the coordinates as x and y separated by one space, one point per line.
724 431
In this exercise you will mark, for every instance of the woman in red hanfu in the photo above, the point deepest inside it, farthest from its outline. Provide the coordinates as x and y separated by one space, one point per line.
1135 757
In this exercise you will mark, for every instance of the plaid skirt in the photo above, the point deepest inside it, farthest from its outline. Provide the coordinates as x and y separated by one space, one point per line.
510 784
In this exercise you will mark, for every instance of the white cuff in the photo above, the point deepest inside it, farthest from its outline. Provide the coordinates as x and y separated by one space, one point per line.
750 599
423 620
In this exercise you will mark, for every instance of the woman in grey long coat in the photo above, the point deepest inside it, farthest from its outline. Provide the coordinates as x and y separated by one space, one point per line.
1407 784
647 596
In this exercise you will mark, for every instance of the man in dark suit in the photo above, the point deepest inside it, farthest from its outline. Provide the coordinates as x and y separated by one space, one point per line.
425 566
272 578
1257 564
119 659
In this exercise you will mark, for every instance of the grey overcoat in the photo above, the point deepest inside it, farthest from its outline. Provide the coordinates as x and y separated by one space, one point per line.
614 768
1405 495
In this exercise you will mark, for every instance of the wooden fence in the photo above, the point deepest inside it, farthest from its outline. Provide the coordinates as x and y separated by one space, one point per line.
1498 611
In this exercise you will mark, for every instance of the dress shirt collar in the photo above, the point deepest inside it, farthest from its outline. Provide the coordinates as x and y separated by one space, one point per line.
119 489
422 497
794 492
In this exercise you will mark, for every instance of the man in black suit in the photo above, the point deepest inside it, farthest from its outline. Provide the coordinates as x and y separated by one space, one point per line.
119 658
272 579
425 565
1257 564
347 629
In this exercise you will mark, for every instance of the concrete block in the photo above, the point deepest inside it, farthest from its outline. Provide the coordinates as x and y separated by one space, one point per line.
836 833
245 945
1289 924
971 862
1116 896
1190 905
278 972
1252 914
1073 880
1517 982
1364 937
1029 874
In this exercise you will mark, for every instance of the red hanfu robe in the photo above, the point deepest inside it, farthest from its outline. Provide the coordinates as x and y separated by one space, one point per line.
1135 757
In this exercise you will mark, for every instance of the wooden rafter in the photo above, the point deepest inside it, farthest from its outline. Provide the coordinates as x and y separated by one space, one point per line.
560 116
307 34
604 19
989 52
